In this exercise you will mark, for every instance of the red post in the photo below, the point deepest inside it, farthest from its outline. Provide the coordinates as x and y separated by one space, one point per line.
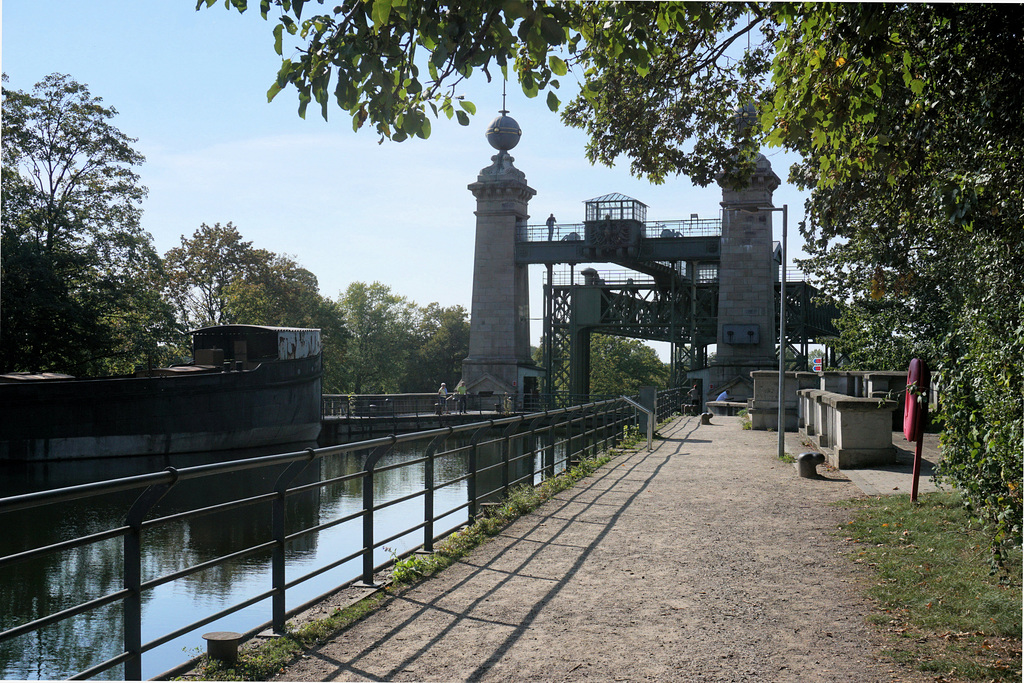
915 412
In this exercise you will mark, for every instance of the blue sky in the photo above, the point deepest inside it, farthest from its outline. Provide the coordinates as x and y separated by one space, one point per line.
191 87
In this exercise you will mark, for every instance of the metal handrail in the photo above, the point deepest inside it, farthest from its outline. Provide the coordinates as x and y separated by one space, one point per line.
586 426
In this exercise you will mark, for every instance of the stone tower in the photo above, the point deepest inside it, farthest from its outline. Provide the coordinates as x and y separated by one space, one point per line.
499 330
747 274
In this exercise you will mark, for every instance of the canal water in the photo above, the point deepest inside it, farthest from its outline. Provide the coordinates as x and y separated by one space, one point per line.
34 589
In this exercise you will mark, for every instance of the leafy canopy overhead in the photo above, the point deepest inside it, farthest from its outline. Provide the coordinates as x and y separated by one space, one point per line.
396 63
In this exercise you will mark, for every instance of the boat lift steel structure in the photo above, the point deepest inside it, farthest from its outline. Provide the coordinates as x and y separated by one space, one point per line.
665 290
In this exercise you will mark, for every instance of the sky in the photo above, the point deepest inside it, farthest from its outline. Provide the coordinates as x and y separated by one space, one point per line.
191 88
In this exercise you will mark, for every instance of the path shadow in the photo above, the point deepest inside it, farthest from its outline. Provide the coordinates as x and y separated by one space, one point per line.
604 483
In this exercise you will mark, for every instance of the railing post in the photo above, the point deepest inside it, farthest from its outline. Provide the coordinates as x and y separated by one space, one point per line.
278 558
568 440
375 455
549 451
428 487
604 425
506 457
472 466
536 446
593 434
132 605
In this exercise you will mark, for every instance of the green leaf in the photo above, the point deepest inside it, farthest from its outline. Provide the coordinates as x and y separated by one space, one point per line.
552 101
278 34
463 118
380 13
424 128
552 31
558 67
468 106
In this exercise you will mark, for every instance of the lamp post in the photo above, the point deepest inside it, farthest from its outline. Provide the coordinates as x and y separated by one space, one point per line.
782 336
781 418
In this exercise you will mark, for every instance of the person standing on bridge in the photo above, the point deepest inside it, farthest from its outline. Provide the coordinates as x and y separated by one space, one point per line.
460 395
694 396
442 397
551 228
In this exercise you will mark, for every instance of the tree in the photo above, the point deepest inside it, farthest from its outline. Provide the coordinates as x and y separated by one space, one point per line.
203 269
909 124
441 343
621 366
381 324
618 366
81 281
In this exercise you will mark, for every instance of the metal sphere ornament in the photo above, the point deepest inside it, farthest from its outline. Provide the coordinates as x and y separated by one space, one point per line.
503 133
745 118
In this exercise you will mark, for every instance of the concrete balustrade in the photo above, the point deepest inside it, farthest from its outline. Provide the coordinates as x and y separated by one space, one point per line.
852 431
764 407
850 414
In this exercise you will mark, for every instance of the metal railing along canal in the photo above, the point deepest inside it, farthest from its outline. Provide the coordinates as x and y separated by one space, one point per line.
499 454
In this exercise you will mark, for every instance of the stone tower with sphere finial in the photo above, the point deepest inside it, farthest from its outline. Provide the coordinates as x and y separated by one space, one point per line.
747 274
499 329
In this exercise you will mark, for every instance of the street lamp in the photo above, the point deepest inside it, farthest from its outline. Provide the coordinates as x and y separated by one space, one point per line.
782 324
782 336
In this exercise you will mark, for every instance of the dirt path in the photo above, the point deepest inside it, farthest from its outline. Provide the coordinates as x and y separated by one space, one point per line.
704 560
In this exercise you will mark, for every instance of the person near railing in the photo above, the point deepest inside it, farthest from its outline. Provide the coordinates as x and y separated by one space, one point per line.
442 399
460 392
694 396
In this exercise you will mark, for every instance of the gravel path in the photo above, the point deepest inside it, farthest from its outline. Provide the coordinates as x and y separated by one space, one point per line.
706 559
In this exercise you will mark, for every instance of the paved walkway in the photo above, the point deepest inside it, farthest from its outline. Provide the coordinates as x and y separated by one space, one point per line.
896 478
705 559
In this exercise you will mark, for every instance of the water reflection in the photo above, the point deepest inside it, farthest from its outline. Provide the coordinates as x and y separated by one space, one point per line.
35 589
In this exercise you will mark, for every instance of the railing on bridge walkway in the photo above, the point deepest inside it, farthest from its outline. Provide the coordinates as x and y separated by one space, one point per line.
570 232
499 454
426 404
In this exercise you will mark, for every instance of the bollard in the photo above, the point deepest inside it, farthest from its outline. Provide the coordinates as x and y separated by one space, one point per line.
223 645
807 464
705 418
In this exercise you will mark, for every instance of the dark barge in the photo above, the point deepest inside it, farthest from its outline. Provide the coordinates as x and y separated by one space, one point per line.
247 386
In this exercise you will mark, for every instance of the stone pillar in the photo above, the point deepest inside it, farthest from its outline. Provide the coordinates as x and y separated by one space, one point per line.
499 328
746 280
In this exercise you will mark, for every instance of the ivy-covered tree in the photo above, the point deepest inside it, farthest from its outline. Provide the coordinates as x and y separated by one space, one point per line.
909 122
80 281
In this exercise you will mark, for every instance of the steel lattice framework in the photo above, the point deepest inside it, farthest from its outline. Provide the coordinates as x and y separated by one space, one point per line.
669 292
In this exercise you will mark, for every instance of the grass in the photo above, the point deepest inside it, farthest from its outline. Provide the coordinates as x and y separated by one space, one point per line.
260 662
520 501
943 609
264 660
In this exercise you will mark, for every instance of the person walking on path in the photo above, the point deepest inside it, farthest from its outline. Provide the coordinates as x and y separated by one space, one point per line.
442 398
551 228
694 396
460 393
705 559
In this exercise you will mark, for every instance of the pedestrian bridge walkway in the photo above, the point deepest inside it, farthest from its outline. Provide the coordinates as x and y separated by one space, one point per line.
705 559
